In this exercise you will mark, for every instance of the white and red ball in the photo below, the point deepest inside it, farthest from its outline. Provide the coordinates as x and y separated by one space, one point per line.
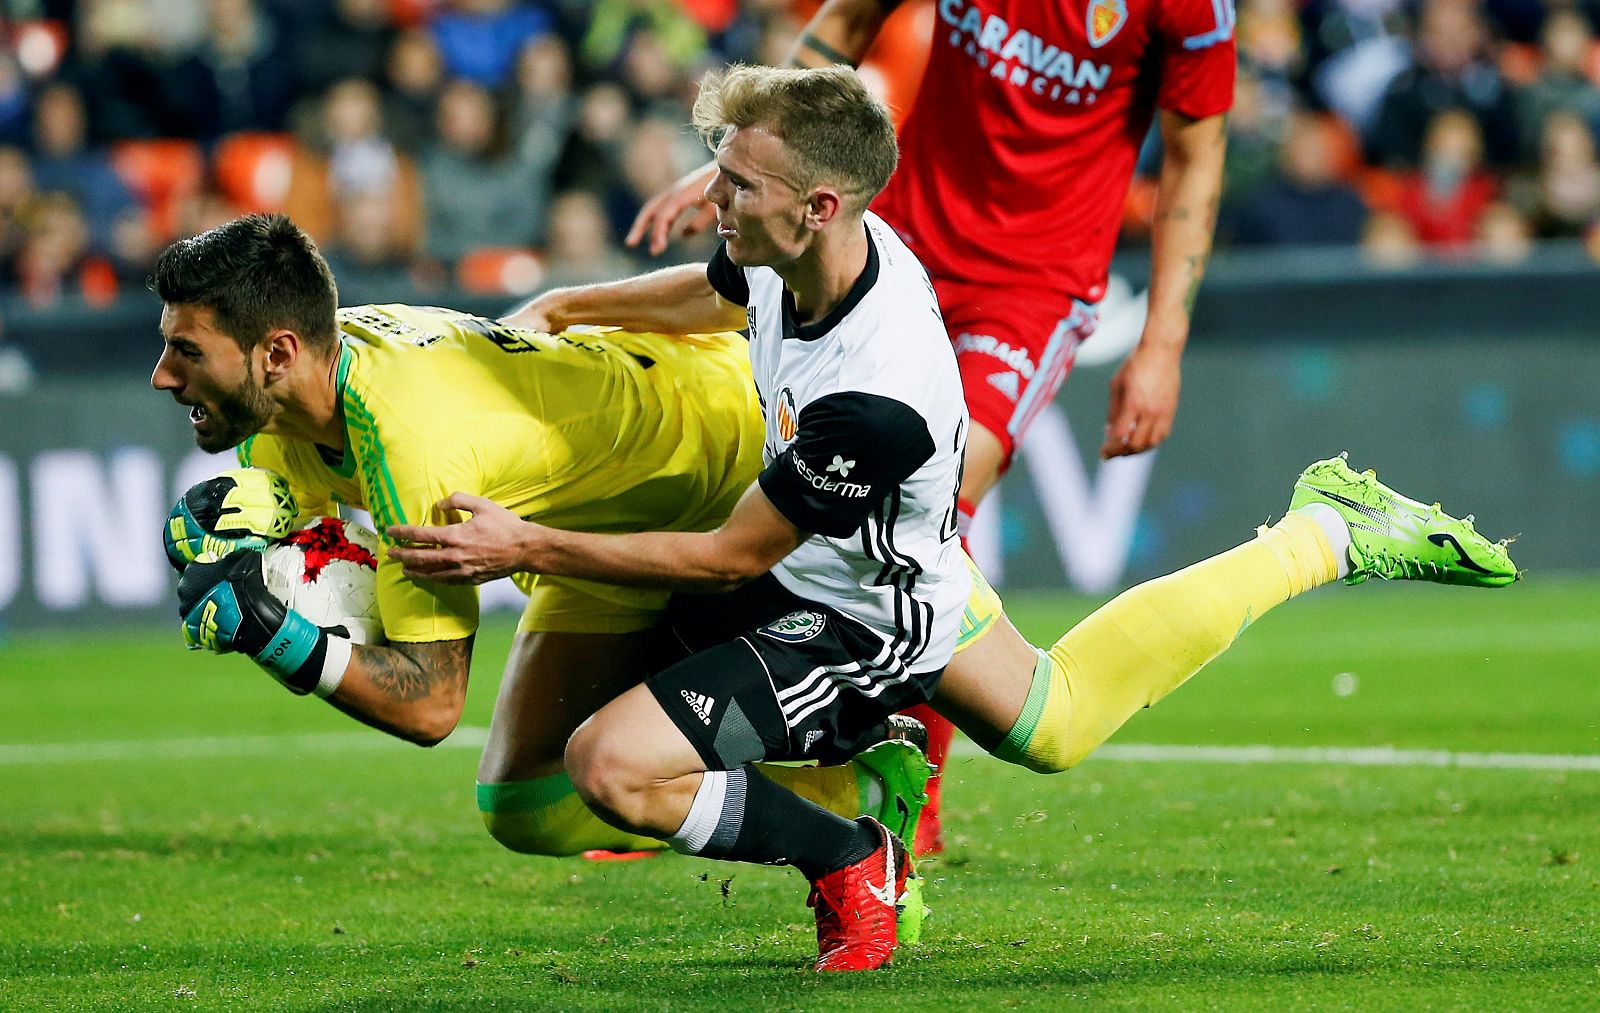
328 572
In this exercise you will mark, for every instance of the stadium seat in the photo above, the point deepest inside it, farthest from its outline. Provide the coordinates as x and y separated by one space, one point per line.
253 169
410 13
500 270
1521 62
97 282
1139 206
1344 145
1381 189
713 15
162 174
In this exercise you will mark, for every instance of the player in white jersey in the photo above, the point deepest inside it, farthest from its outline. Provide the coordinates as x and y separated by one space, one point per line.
844 582
864 430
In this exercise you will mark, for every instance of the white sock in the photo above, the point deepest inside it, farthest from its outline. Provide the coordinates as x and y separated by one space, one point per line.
714 816
1338 531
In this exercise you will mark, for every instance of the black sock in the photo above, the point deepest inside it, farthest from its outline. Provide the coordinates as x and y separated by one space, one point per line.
757 821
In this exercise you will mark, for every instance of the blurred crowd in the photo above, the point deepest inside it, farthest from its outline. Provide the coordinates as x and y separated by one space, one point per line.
492 145
1451 129
501 146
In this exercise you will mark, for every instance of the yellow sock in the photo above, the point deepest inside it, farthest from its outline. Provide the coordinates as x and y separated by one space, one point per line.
1152 638
835 789
545 816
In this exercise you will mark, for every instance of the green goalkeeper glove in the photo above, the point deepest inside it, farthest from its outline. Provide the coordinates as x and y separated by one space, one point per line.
226 608
242 508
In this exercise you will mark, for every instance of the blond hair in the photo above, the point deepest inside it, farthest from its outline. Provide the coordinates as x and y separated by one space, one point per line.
836 131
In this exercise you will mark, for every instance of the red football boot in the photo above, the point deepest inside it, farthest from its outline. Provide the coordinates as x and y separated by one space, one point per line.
856 907
930 841
603 855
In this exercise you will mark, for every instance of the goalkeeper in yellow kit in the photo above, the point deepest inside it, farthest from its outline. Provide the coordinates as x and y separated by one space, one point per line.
420 414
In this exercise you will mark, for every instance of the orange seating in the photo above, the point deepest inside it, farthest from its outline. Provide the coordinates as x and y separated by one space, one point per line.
500 270
1139 206
712 15
162 174
97 281
1521 62
410 13
1344 145
1382 189
253 169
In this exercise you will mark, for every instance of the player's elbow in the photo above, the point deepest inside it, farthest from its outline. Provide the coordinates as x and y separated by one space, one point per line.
1194 143
719 570
427 738
734 573
431 722
737 564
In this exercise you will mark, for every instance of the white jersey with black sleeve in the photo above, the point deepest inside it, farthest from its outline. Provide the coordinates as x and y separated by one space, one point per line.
865 430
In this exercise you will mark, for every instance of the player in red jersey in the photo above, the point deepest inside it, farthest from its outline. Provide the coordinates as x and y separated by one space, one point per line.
1015 163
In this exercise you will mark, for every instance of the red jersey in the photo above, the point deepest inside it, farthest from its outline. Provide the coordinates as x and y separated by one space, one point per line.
1016 157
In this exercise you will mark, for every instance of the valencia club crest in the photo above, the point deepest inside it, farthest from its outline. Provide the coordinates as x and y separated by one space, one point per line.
788 426
1106 18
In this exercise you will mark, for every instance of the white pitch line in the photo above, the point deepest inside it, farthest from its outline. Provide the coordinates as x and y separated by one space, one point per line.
1330 756
209 747
20 753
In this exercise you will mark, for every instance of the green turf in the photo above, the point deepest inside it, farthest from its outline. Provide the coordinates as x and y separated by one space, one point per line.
342 871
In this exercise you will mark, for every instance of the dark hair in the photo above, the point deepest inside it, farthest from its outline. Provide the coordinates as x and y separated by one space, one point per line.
256 273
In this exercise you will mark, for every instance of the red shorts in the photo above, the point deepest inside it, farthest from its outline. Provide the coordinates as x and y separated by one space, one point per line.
1014 346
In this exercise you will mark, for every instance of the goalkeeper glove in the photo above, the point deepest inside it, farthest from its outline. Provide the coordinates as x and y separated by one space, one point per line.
226 608
242 508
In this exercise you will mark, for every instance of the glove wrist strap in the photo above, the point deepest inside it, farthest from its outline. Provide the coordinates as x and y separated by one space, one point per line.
295 653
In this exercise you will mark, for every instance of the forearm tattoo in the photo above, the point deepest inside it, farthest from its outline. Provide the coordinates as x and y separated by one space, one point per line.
822 49
408 672
1197 273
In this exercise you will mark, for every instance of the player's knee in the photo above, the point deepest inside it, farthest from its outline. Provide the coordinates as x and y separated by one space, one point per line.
608 773
1041 758
538 816
1043 754
533 834
502 828
525 834
1053 763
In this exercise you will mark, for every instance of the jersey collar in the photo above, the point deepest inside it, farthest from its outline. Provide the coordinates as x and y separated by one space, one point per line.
343 465
811 332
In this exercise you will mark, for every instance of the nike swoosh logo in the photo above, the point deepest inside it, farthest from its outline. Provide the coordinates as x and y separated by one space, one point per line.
887 894
1360 508
1441 537
904 811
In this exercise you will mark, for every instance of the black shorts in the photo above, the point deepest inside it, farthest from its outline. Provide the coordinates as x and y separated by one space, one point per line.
763 674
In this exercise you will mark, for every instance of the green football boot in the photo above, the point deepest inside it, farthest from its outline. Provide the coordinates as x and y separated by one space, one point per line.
902 768
1395 538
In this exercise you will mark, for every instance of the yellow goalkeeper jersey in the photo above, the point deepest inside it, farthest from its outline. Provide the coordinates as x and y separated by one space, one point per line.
596 431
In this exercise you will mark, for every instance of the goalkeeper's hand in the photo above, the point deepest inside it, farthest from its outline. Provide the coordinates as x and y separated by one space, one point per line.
226 608
242 508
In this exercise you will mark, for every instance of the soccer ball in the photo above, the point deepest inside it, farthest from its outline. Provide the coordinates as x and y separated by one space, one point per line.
328 572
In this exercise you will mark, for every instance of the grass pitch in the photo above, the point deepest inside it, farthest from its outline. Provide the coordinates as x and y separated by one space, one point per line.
180 834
